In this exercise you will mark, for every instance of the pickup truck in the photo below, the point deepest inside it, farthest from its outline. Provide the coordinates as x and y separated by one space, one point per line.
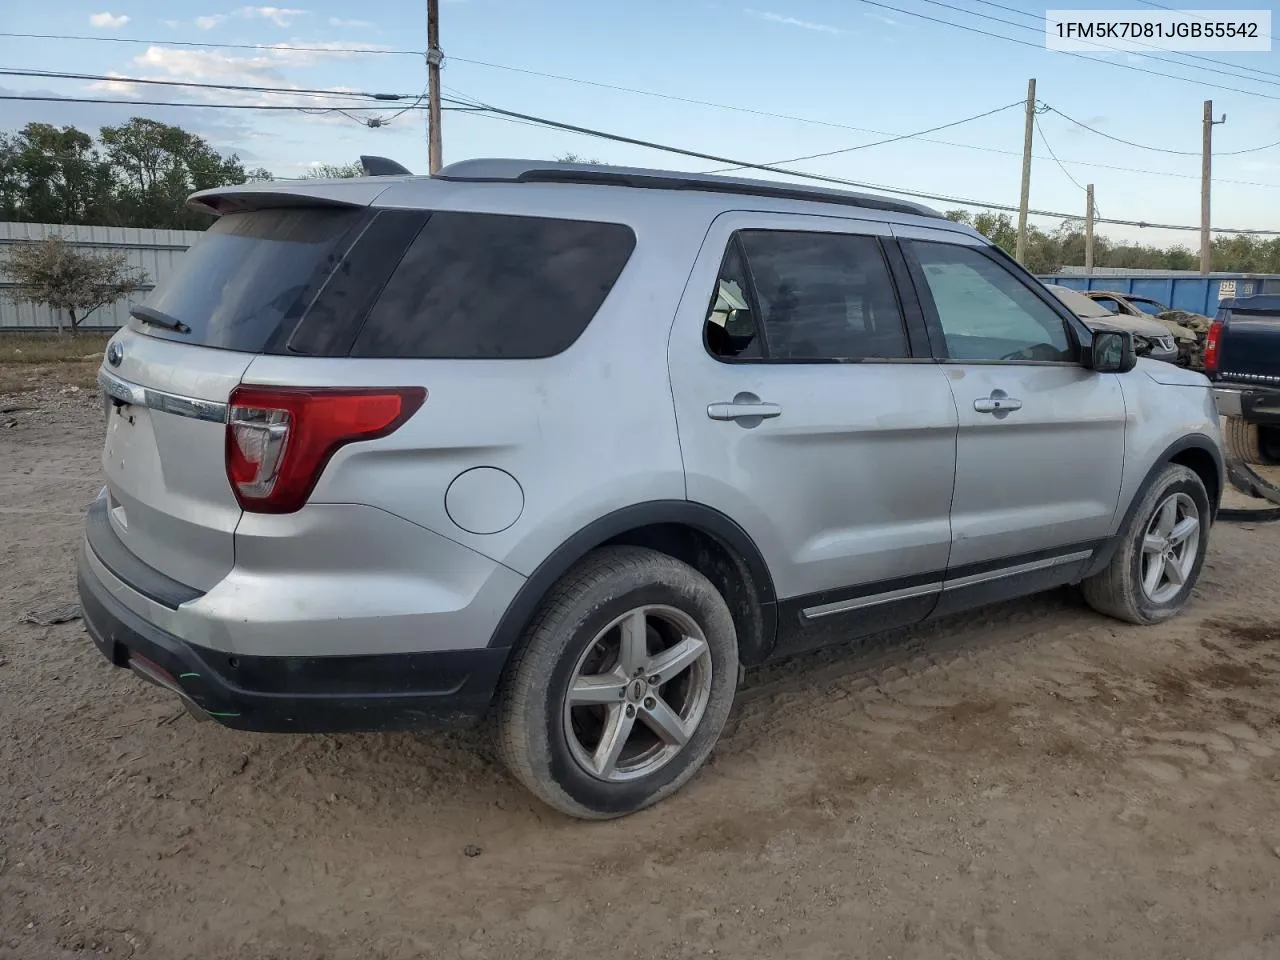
1242 358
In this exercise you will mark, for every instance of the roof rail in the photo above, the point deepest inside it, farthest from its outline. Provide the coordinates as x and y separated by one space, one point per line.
534 171
382 167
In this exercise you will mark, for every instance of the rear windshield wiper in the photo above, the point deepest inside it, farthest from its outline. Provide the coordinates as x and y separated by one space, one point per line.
158 318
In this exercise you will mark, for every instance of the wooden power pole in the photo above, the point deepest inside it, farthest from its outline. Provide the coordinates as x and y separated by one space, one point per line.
1206 178
1088 231
435 149
1020 250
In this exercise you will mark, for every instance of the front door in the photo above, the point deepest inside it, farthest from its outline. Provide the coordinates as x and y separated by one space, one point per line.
804 417
1040 449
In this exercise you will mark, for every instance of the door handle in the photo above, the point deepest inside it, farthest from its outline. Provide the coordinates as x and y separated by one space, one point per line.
745 406
999 403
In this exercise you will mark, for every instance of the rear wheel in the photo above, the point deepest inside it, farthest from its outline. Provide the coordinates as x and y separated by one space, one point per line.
1161 551
621 686
1252 443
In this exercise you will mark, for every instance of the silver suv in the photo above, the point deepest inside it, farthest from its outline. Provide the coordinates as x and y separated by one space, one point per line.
569 447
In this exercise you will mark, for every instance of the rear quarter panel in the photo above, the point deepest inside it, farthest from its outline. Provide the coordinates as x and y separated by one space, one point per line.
582 433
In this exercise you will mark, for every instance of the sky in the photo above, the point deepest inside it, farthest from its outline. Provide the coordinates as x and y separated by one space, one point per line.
775 80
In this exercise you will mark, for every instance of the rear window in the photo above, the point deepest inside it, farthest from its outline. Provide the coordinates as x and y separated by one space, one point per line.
246 282
488 286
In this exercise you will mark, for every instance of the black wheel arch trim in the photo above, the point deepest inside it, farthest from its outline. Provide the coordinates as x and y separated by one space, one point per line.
688 513
1194 441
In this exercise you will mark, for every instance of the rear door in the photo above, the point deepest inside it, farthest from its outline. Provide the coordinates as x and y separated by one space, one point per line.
1040 449
803 417
237 293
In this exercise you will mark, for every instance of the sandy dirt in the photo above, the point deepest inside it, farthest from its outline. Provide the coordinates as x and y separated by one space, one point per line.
1030 781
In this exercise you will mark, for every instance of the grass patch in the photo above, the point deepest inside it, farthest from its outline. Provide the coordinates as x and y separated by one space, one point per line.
28 348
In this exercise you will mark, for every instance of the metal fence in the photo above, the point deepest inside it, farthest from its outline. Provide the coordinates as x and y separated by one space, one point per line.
156 251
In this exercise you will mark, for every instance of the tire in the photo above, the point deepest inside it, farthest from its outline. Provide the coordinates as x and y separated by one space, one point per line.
1120 591
1252 443
575 642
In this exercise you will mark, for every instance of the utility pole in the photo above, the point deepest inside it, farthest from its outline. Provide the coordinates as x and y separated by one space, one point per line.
1088 231
1021 249
1206 175
435 149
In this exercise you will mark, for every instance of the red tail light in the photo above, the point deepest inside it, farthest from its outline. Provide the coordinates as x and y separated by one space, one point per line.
279 439
1211 341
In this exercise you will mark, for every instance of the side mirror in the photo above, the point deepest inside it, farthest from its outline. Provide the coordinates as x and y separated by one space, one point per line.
1112 352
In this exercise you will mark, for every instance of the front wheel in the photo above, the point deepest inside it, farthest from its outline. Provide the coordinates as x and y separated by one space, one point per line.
621 685
1161 551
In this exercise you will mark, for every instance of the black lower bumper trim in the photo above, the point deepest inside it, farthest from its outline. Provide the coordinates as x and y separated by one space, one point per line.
382 692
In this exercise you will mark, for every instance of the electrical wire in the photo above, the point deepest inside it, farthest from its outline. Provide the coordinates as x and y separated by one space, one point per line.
212 45
246 88
737 108
821 178
1045 141
206 106
1067 53
878 143
1180 153
1216 68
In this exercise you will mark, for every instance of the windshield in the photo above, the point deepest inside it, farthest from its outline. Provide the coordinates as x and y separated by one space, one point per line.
246 282
1150 307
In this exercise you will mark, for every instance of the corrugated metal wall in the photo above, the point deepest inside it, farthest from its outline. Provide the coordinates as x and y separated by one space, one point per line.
155 251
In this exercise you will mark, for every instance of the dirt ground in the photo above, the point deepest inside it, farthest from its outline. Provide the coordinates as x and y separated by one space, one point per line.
1030 781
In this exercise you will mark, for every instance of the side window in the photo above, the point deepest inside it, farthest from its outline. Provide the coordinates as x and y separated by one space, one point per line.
489 286
1107 303
987 313
824 296
731 329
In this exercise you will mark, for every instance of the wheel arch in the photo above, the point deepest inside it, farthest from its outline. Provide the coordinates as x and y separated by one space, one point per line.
701 536
1198 453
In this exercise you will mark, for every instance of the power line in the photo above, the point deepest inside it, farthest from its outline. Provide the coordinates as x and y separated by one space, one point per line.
246 88
1045 141
1150 46
211 45
877 143
207 106
1180 153
822 178
690 100
1068 53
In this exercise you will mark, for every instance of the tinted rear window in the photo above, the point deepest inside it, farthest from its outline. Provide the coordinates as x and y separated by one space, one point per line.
488 286
246 282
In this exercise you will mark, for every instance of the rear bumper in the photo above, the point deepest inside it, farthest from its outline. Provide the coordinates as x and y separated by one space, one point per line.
327 694
1253 404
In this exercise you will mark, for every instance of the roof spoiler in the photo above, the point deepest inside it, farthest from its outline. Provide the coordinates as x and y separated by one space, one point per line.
382 167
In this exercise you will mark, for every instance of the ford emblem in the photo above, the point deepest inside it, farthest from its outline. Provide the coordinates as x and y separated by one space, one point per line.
115 353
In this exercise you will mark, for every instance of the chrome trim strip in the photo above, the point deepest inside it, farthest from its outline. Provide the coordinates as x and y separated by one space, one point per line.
924 589
123 391
1248 377
858 603
1029 567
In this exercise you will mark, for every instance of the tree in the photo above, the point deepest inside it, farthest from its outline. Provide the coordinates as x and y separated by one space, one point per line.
575 158
53 175
53 273
335 171
156 166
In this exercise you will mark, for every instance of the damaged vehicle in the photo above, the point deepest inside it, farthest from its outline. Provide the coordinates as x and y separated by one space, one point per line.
1188 329
1150 339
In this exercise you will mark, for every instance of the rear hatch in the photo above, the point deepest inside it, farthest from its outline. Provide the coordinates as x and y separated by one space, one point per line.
1249 345
237 293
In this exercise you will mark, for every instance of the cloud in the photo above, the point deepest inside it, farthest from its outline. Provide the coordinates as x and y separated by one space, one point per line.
108 21
354 24
280 16
793 22
883 19
210 21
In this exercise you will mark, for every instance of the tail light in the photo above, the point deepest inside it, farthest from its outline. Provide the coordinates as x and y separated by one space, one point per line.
279 439
1211 342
